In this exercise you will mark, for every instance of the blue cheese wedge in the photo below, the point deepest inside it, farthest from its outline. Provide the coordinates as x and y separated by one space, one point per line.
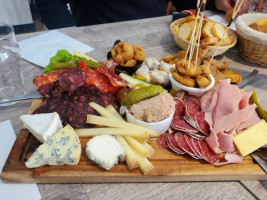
105 150
63 148
42 126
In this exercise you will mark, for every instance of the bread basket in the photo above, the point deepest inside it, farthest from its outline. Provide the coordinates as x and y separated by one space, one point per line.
252 43
182 43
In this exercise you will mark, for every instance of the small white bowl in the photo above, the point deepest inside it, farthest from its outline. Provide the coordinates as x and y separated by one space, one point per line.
161 126
194 91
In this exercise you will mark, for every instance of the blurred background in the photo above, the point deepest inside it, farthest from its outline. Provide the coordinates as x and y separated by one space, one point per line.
22 14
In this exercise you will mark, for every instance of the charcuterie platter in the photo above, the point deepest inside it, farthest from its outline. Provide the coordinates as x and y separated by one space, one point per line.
167 167
137 119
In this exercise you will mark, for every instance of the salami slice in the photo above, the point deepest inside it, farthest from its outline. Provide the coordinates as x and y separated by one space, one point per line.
203 126
173 145
190 144
196 135
161 142
197 147
171 130
178 123
180 139
191 122
179 107
207 153
192 106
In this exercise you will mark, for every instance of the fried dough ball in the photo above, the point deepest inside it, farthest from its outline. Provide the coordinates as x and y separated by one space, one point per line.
183 79
189 70
201 54
202 81
119 60
206 69
139 53
130 63
173 59
234 76
124 49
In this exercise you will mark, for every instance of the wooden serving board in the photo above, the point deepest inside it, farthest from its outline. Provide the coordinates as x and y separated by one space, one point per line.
167 167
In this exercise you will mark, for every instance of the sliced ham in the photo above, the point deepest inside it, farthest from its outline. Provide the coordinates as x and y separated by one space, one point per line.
229 97
233 157
226 142
212 141
245 99
209 100
252 119
226 123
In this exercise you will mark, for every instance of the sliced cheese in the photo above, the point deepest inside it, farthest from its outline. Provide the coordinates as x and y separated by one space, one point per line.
252 138
63 148
42 126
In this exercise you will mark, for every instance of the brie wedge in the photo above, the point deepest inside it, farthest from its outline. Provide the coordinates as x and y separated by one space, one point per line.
42 126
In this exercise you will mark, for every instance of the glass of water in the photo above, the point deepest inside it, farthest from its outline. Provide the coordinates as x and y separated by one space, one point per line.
11 80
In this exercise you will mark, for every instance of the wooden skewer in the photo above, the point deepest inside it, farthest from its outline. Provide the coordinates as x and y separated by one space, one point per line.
199 2
197 35
235 11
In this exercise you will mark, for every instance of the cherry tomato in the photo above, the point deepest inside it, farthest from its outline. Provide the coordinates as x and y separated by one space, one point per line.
121 92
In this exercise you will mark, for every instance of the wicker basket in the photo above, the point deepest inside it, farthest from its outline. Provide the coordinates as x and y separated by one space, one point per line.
252 43
174 27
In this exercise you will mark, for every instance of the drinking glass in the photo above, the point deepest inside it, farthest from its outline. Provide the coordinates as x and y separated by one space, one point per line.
11 80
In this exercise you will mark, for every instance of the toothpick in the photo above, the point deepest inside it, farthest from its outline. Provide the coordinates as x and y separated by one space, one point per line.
235 12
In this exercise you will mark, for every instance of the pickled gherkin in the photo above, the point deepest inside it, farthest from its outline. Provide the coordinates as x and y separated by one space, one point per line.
137 95
262 113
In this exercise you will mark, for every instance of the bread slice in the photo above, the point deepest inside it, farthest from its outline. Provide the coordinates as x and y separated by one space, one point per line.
227 40
218 30
207 30
209 41
192 24
188 19
42 126
185 31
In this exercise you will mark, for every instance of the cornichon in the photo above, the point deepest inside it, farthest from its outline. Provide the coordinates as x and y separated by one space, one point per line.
137 95
262 113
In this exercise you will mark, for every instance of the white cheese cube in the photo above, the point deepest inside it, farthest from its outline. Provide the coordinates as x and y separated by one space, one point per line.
105 150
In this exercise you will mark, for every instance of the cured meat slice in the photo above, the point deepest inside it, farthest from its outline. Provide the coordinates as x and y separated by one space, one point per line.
70 80
180 140
46 78
115 80
196 135
197 147
207 153
171 130
190 144
192 106
191 122
173 145
203 126
162 143
178 123
179 107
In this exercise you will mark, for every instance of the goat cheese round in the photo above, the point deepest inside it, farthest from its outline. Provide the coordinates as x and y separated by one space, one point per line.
105 150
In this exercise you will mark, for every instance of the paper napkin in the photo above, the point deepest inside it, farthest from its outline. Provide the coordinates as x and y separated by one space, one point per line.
39 49
221 19
10 191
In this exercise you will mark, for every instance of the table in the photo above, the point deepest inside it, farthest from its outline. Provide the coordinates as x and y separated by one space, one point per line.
154 35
